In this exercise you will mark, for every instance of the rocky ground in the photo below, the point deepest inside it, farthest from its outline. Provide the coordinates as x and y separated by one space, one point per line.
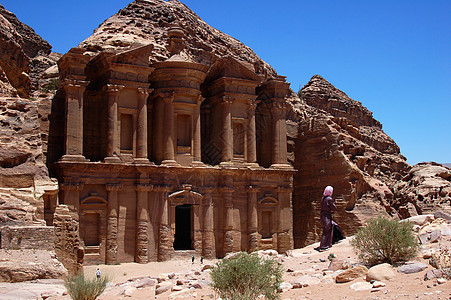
309 275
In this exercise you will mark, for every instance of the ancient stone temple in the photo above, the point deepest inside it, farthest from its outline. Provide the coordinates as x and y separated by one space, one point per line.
173 155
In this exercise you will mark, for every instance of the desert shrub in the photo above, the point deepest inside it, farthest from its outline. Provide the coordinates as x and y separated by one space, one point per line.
385 241
81 288
246 276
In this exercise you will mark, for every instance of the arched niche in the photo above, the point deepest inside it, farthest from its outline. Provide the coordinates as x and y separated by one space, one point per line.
267 216
92 220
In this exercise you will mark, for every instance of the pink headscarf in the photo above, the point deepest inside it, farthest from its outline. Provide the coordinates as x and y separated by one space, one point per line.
328 191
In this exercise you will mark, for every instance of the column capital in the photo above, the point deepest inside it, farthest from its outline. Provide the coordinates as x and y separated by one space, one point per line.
143 187
226 100
144 91
253 189
225 189
162 188
113 88
284 189
253 103
113 187
75 87
71 186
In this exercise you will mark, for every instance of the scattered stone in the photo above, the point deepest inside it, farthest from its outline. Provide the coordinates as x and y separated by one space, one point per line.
290 270
380 272
206 267
145 282
378 284
361 286
432 274
351 274
328 279
442 215
336 264
161 288
177 288
305 281
441 280
284 286
129 291
419 220
412 268
195 285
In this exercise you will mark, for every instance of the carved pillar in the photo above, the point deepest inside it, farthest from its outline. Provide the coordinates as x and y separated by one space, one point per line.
71 195
227 132
165 247
227 193
141 132
112 134
74 119
285 231
279 141
142 243
196 132
252 218
169 153
112 223
251 133
208 238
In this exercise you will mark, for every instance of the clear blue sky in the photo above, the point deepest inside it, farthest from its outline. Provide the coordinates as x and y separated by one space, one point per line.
391 55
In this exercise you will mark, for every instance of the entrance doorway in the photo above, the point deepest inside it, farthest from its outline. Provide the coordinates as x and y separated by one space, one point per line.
182 240
91 229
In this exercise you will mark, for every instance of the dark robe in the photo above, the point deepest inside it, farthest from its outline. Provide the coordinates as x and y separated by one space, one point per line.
331 231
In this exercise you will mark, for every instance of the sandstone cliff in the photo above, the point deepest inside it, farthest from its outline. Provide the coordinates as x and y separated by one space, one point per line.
24 56
145 22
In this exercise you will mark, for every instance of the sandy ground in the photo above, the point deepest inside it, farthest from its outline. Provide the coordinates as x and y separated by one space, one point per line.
305 261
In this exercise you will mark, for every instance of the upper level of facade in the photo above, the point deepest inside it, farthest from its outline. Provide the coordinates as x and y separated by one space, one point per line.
119 108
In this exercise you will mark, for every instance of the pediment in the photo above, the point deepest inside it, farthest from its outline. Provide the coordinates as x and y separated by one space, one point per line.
230 68
138 56
185 197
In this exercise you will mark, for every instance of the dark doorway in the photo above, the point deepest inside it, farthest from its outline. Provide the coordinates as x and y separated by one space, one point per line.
182 239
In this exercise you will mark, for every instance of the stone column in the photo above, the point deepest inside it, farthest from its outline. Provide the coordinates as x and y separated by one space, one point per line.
197 233
169 153
142 243
227 193
208 238
279 143
71 195
112 134
285 231
112 223
227 132
165 247
74 120
252 218
141 132
251 133
196 133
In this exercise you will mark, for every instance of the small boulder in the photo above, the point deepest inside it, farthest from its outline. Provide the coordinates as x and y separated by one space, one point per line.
161 288
284 286
412 268
361 286
380 272
378 284
351 274
442 215
419 220
432 274
305 281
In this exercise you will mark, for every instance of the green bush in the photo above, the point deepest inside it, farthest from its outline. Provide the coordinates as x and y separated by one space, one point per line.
246 276
385 241
81 288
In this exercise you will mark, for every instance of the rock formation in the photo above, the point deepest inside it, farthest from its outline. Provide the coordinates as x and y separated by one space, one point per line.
333 140
145 22
25 55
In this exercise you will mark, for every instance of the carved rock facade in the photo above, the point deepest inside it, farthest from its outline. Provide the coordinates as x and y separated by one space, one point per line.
172 155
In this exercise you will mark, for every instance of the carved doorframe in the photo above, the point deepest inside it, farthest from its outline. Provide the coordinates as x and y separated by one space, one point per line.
187 196
98 205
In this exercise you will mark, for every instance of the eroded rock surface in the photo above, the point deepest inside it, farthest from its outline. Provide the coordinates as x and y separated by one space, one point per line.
145 22
25 55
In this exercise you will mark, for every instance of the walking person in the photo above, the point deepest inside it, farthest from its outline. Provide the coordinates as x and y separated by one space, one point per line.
331 230
98 273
